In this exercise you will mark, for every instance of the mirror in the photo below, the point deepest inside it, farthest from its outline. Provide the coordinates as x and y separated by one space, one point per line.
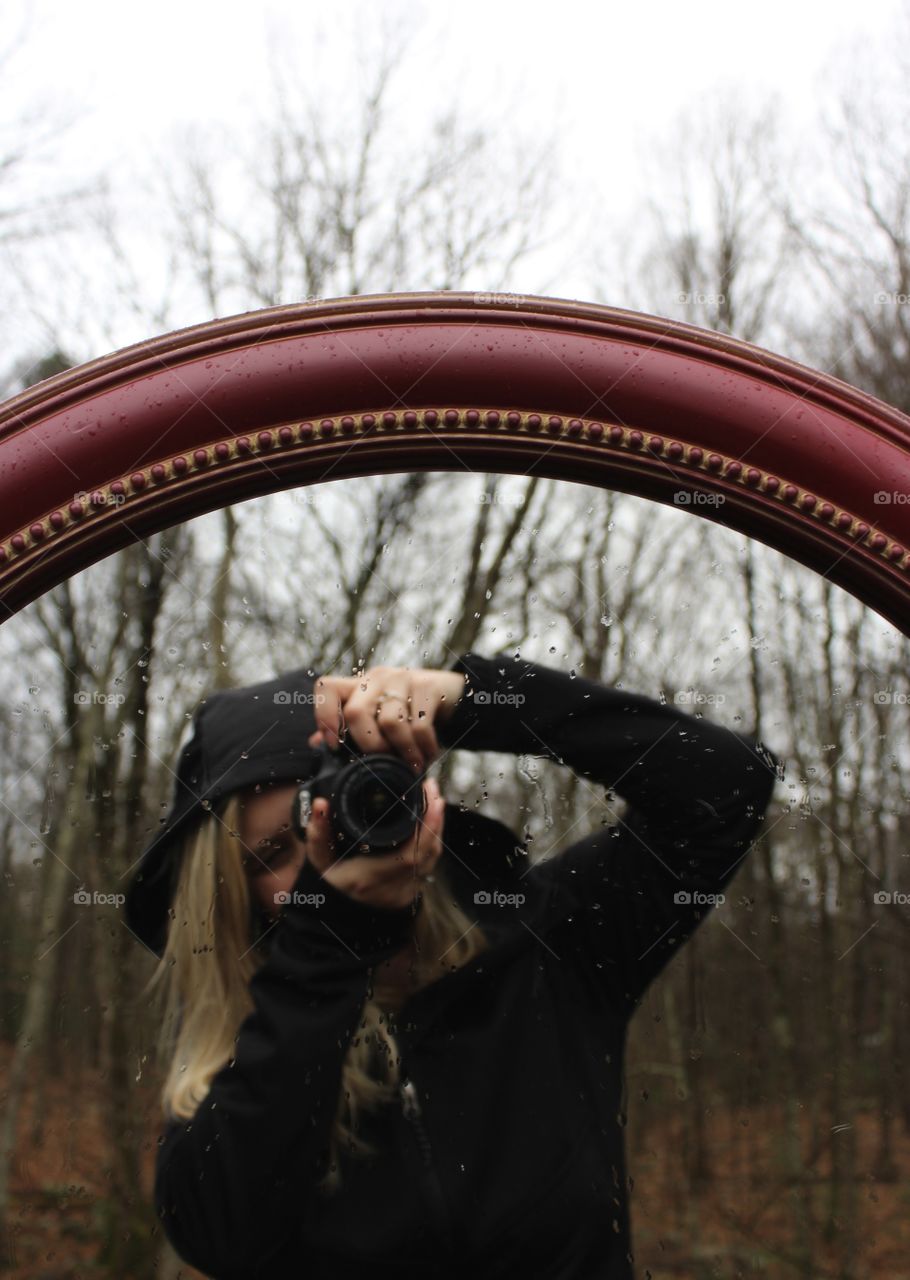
762 1064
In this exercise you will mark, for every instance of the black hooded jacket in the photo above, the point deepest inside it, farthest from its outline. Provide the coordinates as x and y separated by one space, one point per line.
506 1157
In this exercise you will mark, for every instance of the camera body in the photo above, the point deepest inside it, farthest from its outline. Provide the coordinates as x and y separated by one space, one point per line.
375 799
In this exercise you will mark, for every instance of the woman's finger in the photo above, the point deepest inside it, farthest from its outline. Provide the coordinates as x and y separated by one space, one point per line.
397 728
381 712
327 709
425 735
428 837
406 720
438 828
331 695
319 838
427 697
363 726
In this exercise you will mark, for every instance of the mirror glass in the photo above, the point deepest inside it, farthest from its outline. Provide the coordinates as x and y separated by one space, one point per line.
762 1095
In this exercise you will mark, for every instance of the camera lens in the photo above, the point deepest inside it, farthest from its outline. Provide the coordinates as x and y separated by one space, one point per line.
373 803
380 801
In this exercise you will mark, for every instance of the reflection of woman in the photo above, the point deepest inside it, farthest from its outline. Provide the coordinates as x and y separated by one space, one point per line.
411 1064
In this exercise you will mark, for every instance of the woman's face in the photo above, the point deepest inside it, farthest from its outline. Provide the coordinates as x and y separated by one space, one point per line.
273 853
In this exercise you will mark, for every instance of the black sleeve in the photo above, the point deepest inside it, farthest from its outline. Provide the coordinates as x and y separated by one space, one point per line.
231 1184
697 795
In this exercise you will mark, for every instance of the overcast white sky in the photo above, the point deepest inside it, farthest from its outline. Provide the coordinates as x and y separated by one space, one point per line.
611 73
608 78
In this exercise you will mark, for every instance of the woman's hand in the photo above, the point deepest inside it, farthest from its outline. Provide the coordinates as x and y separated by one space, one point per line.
382 880
387 709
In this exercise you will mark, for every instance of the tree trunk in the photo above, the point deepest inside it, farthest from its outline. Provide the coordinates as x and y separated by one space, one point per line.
59 884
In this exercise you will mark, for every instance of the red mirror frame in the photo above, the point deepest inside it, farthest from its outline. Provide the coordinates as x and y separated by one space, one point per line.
198 419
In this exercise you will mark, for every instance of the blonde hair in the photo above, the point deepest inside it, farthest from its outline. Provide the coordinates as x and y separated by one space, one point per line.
210 955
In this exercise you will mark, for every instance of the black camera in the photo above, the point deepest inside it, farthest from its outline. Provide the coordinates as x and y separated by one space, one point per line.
375 799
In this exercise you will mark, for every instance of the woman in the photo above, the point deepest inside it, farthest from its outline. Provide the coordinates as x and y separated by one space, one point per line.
411 1064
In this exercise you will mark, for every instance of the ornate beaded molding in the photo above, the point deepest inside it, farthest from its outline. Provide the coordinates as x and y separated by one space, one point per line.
291 435
157 433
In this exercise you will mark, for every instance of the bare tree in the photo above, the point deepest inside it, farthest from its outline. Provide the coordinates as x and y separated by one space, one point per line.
711 246
855 224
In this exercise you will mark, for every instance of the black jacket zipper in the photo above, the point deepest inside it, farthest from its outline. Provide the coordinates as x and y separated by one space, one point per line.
411 1108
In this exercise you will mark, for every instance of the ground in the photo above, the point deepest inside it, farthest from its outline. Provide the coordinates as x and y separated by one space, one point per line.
734 1228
